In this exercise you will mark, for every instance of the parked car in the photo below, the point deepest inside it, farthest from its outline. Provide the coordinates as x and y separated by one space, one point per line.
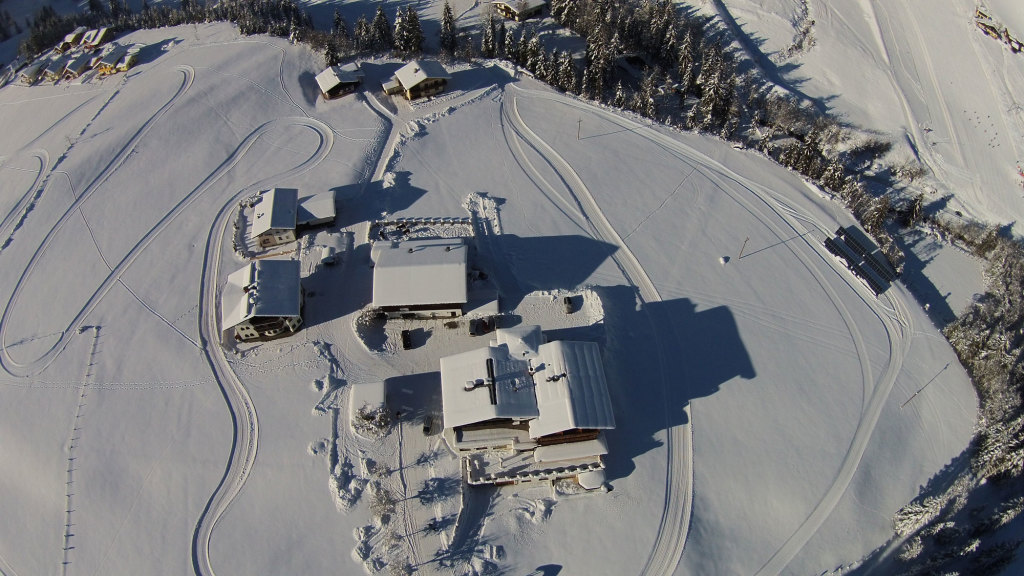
428 424
567 303
406 340
328 255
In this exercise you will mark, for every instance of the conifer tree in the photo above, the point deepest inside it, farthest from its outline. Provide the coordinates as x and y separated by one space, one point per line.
487 41
619 101
380 28
449 36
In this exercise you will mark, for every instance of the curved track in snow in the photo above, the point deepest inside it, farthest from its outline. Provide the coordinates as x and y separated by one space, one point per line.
15 216
783 221
16 368
245 425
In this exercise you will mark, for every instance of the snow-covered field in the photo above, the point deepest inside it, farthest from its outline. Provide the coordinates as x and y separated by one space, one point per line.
920 74
763 402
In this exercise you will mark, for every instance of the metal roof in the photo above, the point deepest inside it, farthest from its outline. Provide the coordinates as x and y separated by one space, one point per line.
571 389
419 272
513 387
276 210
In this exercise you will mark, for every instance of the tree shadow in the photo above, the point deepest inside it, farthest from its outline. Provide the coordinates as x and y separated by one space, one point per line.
437 490
659 357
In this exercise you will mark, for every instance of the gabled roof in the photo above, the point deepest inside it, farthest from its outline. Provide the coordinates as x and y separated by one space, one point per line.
521 6
419 70
78 65
114 55
331 77
268 288
571 389
419 272
513 385
316 208
276 210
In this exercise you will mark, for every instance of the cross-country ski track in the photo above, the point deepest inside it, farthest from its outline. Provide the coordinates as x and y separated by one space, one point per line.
783 221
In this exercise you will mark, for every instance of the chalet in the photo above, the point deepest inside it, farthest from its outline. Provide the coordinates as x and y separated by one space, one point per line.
98 38
31 74
519 10
263 300
274 217
420 278
108 64
522 409
128 60
72 39
55 69
76 67
418 79
279 214
338 81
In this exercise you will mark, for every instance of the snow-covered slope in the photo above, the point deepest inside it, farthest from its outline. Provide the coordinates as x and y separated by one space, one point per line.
759 399
918 73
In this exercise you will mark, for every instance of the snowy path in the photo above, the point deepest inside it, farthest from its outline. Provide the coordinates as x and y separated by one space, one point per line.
16 216
8 363
785 222
243 413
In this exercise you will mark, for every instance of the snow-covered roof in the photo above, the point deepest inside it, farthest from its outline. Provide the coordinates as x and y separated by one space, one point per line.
521 6
117 51
567 388
276 210
419 70
513 387
268 288
334 75
419 272
79 64
316 208
523 341
571 389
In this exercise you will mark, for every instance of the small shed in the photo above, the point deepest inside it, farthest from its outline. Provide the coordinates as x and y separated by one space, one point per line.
316 210
519 10
274 217
418 79
420 278
337 81
263 300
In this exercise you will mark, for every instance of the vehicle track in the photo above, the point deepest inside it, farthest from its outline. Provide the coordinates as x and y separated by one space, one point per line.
245 424
15 217
15 368
672 534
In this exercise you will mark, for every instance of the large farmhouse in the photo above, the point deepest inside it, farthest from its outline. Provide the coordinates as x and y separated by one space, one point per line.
418 79
420 278
522 409
279 214
337 81
263 300
520 10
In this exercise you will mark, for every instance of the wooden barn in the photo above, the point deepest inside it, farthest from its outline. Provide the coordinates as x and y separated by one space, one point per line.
338 81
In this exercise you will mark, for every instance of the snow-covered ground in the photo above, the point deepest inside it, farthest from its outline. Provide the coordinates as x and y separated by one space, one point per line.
765 403
919 73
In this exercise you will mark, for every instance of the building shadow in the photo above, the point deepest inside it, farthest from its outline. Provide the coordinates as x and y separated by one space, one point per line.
659 357
310 89
527 264
413 396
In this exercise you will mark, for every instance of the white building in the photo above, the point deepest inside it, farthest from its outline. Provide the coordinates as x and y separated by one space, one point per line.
420 278
520 10
263 300
336 81
522 410
418 79
279 214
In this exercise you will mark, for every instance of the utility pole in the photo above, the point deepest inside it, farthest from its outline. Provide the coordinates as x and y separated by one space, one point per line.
914 395
579 126
745 240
